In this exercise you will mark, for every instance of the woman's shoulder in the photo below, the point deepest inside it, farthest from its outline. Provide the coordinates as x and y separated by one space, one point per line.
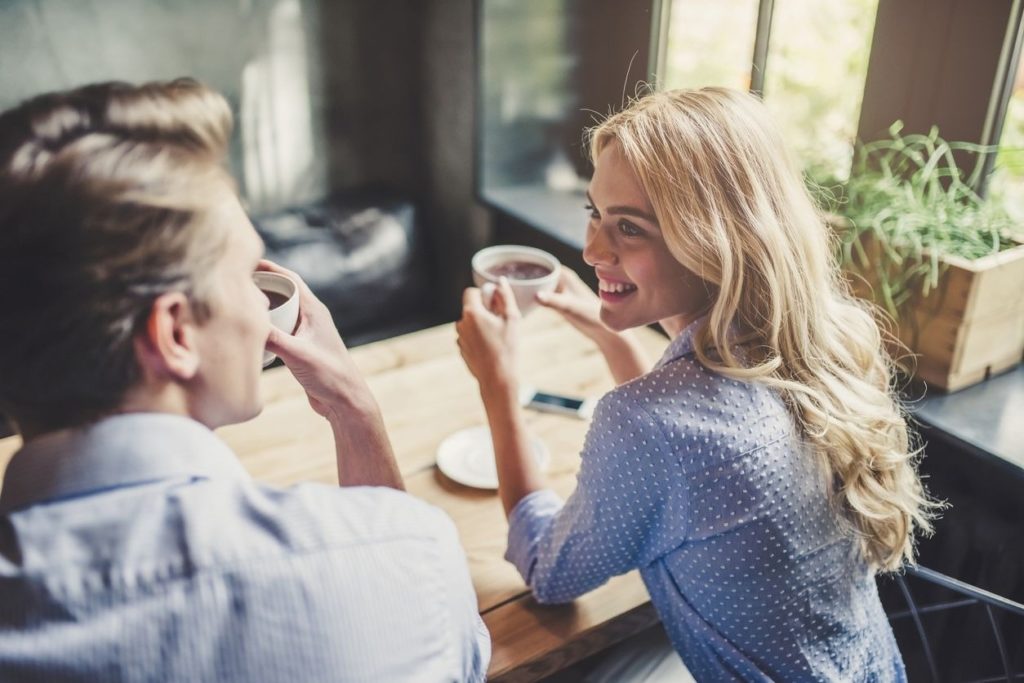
686 400
686 383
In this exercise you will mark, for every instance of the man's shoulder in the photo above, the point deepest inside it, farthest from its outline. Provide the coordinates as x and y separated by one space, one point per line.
371 578
181 528
366 510
311 518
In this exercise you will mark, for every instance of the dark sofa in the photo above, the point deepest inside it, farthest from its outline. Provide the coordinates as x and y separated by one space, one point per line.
364 254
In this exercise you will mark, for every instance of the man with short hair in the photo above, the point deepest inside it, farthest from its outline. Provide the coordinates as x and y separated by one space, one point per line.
133 546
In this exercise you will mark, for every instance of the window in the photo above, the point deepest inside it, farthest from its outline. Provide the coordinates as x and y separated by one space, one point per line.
546 70
527 71
813 73
814 78
710 43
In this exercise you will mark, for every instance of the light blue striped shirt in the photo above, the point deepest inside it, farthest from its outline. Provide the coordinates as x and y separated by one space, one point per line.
701 483
140 550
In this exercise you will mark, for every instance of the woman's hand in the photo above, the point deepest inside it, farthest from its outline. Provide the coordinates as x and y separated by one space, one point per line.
489 338
317 356
577 303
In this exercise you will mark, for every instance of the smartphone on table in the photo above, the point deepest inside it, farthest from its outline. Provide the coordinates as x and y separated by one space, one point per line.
548 402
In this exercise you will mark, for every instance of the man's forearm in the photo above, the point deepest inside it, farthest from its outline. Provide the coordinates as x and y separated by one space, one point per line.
364 453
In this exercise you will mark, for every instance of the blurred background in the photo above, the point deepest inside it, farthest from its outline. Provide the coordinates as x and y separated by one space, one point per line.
379 143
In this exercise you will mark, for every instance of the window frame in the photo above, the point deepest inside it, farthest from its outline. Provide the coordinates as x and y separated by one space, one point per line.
1009 62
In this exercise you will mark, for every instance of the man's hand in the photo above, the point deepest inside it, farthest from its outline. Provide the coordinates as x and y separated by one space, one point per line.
336 389
316 354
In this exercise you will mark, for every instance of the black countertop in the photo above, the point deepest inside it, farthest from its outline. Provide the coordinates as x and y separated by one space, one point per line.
986 419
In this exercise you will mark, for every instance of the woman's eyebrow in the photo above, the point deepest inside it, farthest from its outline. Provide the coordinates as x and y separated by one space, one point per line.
620 210
634 212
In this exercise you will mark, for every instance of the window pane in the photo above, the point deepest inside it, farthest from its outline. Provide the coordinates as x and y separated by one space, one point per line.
1007 183
529 64
814 78
710 42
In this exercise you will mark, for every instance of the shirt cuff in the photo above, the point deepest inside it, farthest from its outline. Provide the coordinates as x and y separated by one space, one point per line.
529 520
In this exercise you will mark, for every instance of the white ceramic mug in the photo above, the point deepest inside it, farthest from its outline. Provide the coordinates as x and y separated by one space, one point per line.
285 314
529 272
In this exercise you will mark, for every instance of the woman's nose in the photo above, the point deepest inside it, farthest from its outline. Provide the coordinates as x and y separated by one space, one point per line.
597 251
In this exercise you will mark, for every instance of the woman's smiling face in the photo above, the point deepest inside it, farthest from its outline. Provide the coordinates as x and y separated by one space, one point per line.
639 280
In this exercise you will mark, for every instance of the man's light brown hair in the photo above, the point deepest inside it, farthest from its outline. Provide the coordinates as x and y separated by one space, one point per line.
104 196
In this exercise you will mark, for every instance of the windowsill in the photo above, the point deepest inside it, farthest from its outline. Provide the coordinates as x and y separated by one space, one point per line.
983 419
557 214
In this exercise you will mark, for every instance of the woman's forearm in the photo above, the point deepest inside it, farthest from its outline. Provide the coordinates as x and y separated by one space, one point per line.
518 474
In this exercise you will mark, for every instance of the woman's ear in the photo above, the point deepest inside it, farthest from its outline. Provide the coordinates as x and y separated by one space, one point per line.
167 345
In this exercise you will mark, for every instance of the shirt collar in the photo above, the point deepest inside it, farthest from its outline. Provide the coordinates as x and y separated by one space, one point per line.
117 451
682 345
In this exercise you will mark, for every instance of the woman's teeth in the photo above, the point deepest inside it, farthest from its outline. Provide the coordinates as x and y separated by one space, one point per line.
615 287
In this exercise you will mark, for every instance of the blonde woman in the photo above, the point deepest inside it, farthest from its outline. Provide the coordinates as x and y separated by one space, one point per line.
760 474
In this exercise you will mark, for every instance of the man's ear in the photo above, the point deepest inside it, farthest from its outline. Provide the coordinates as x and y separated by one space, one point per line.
167 344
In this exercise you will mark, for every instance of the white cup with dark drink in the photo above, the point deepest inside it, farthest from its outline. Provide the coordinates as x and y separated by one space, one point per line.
529 272
284 303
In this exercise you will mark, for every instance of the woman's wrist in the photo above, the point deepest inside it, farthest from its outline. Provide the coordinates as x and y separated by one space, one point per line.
610 341
625 356
499 392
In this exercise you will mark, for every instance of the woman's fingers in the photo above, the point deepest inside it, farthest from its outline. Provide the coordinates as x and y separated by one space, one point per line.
506 305
473 300
498 300
557 301
569 281
487 290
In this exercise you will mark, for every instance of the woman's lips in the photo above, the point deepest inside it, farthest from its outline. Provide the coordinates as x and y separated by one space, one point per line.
613 291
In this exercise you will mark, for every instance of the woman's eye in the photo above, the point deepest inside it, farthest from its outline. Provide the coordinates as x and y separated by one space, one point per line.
593 212
629 230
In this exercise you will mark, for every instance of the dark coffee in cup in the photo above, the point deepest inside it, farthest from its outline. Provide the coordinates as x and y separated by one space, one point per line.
529 271
276 298
519 270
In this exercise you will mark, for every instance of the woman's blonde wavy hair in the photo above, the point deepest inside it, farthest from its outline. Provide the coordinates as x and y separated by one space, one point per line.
733 209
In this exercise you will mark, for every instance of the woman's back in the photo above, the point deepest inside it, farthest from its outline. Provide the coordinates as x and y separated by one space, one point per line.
765 579
702 483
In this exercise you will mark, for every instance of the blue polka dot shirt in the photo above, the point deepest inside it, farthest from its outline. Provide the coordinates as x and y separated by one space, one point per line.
701 483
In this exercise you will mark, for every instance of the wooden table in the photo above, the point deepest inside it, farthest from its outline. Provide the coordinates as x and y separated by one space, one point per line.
426 393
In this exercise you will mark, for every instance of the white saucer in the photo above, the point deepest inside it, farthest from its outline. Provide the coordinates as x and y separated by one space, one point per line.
467 457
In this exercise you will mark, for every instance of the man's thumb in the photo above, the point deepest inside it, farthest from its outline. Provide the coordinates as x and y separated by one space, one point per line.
282 344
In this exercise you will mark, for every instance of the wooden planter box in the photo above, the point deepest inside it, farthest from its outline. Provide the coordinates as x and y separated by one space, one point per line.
969 327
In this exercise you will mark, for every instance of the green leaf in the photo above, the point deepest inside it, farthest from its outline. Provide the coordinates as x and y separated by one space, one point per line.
910 195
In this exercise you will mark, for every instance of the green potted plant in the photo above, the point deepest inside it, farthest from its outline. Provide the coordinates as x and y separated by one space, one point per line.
948 266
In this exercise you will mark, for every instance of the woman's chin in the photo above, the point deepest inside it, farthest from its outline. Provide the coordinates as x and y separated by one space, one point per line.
614 322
